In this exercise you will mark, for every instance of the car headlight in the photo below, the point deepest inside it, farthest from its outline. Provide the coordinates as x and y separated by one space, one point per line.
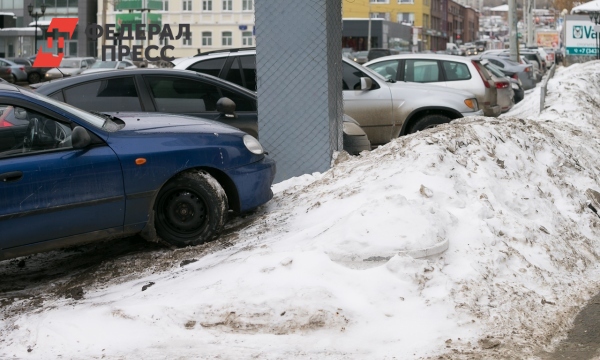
352 129
253 145
472 103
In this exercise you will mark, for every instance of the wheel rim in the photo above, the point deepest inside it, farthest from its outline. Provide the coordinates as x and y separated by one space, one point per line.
182 212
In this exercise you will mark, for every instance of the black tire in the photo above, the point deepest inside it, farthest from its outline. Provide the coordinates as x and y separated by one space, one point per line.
190 209
34 78
429 121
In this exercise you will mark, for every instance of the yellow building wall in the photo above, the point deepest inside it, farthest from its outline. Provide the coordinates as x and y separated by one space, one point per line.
360 9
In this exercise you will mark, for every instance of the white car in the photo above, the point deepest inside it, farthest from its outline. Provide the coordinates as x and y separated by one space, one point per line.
100 66
451 71
69 67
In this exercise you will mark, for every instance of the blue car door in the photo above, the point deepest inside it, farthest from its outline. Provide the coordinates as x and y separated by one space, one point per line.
52 191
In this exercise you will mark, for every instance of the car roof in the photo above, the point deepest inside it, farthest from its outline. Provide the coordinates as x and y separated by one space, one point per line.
423 56
68 81
188 61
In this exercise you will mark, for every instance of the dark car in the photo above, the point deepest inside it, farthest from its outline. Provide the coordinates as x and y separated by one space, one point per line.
172 91
34 75
73 177
239 67
380 52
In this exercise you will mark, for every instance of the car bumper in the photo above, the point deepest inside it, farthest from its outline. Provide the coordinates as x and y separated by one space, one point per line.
253 183
353 145
473 113
493 111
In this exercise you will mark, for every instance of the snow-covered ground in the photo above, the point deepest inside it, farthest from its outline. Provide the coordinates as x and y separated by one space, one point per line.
333 266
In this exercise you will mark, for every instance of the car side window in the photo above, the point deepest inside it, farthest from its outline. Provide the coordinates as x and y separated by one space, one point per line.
496 62
58 96
249 70
211 67
114 94
421 71
388 69
351 78
234 74
456 71
27 131
181 95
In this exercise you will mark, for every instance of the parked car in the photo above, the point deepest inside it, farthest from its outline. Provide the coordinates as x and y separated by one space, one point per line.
517 89
455 72
470 51
34 75
69 67
505 91
419 101
172 91
100 66
375 53
360 57
523 72
76 177
12 72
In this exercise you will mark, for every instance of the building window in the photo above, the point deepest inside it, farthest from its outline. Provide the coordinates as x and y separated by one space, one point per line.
380 15
380 1
165 5
247 5
206 38
425 21
408 18
187 5
227 38
188 41
247 39
406 1
207 5
227 5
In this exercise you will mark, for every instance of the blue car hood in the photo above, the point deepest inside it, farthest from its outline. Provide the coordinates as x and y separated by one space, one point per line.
151 122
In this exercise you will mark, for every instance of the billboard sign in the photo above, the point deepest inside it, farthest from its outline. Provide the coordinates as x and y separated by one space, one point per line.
549 39
580 37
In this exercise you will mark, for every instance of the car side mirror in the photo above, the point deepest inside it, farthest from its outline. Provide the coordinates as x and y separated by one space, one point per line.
226 107
80 138
366 83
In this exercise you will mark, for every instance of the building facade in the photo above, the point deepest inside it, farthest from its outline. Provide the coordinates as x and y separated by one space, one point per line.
214 24
435 22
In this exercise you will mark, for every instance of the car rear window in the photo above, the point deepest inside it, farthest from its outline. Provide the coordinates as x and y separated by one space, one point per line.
211 67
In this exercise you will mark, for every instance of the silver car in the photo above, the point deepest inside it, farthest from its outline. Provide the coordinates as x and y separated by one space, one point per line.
69 67
386 109
100 66
506 95
452 71
12 72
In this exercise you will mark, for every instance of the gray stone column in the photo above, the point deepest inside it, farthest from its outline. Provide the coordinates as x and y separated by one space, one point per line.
299 76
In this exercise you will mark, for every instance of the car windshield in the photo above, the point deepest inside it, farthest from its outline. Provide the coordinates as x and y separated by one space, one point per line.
104 65
70 64
92 119
361 54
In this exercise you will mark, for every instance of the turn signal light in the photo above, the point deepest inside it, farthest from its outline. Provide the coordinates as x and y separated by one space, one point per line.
140 161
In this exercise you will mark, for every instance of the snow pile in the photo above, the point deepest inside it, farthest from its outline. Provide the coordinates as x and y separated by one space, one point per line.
326 269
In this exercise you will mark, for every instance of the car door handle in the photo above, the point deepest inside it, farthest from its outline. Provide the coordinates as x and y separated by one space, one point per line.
11 176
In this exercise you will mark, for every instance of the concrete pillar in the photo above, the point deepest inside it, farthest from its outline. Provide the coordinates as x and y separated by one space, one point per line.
299 83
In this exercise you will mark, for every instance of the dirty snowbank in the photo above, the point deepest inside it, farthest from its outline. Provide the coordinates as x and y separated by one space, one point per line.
318 273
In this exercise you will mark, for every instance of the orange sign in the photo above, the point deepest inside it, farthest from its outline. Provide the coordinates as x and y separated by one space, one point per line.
547 39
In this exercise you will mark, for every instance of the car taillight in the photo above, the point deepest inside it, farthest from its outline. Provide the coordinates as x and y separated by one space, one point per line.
5 123
22 68
515 76
8 71
485 82
527 69
501 85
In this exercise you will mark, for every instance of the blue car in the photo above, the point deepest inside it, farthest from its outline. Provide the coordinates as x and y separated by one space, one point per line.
68 176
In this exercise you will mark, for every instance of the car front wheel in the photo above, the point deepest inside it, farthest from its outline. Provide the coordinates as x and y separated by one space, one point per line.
190 209
429 121
34 78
